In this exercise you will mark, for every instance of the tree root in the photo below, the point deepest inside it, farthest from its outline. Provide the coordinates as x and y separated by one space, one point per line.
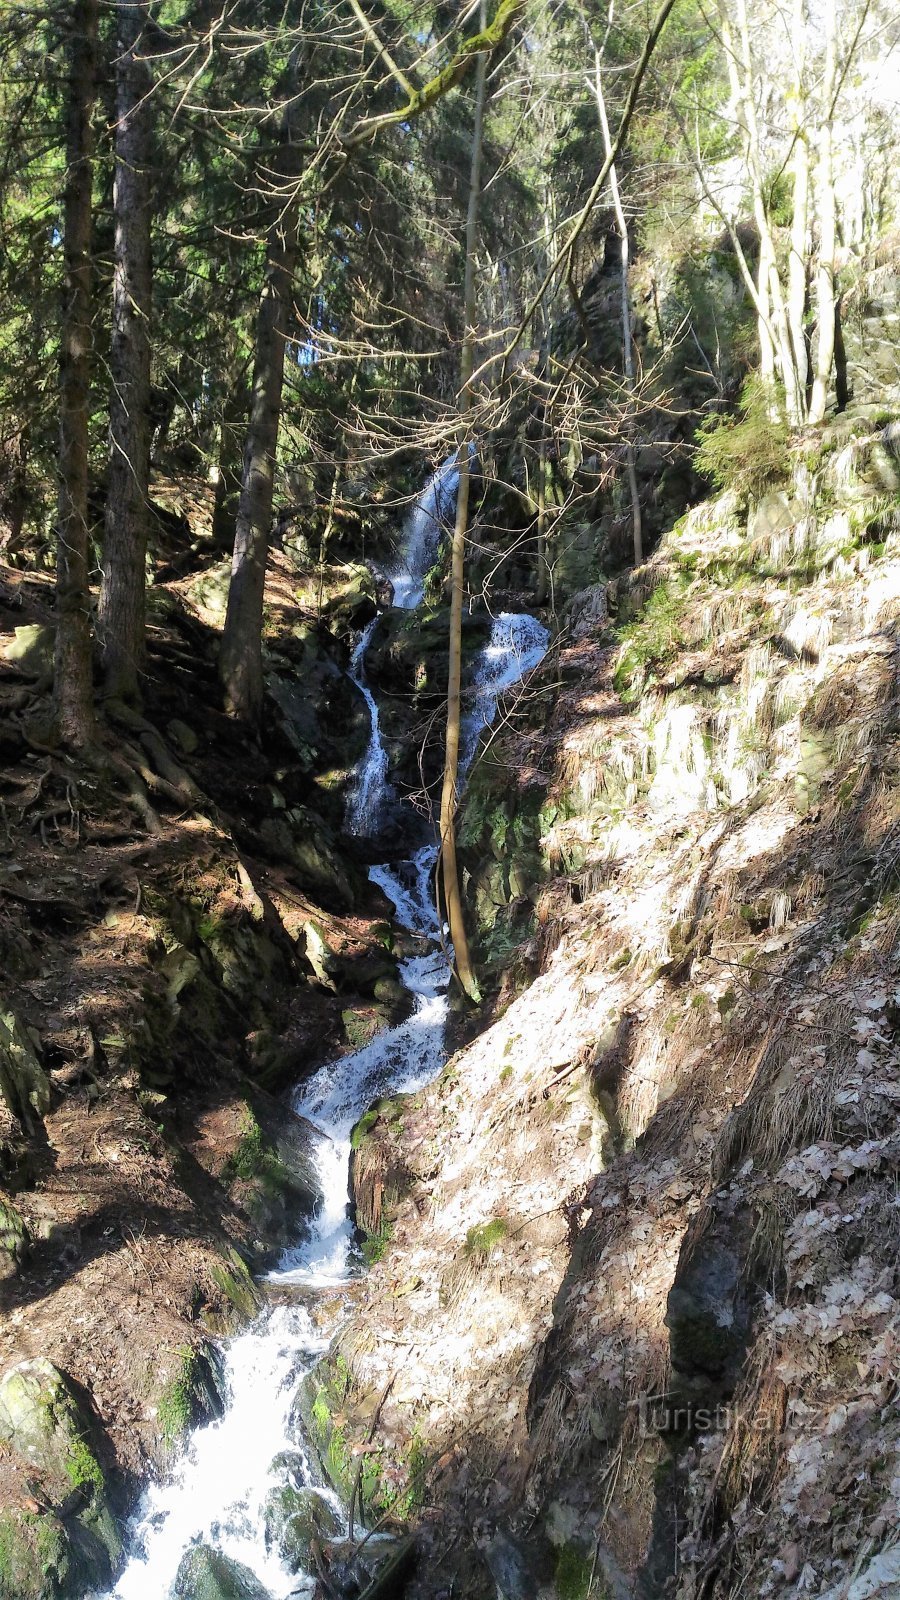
167 776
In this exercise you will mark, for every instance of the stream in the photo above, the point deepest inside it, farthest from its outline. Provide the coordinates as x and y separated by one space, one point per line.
216 1494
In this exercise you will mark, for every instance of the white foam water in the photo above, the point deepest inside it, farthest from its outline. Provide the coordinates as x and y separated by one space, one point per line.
217 1493
427 520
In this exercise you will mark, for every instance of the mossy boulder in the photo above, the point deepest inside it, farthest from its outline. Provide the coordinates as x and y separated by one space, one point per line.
297 1518
46 1429
205 1574
273 1171
35 1556
379 1176
190 1393
30 649
362 1023
235 1284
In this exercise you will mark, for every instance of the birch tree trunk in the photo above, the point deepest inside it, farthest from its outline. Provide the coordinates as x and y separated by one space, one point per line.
122 590
73 675
771 292
798 260
449 794
826 300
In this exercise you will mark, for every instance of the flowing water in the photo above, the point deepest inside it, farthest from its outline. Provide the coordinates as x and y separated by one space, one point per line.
218 1492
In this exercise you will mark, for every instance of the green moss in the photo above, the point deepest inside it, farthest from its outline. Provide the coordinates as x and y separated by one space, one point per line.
375 1245
175 1407
82 1467
233 1280
34 1556
365 1125
481 1239
652 640
573 1572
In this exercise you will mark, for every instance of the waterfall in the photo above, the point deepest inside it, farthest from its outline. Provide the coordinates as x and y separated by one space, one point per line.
217 1493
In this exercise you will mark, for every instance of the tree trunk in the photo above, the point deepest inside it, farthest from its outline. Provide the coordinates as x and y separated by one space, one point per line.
449 795
240 662
825 203
627 336
228 481
74 685
121 611
13 490
797 264
775 337
841 380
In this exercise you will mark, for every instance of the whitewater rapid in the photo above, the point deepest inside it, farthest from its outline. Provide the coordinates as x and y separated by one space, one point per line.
217 1493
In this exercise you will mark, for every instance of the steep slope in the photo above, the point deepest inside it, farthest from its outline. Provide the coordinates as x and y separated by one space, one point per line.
634 1321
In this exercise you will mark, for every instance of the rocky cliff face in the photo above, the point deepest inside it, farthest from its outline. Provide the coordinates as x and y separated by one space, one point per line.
633 1324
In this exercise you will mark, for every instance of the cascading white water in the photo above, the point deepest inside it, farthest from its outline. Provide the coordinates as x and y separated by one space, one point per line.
218 1493
369 788
427 519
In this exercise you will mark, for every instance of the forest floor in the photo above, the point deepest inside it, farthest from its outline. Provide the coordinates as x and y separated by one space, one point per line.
176 960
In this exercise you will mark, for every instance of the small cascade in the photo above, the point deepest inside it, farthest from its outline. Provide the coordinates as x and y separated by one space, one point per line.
367 799
217 1495
428 518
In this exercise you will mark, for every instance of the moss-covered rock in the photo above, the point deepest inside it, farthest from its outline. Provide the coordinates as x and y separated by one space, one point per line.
234 1282
190 1393
379 1175
35 1556
295 1519
273 1172
205 1574
42 1423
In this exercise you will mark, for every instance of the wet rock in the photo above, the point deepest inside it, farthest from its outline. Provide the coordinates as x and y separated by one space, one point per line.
509 1566
709 1305
273 1171
303 839
43 1425
354 603
295 1519
205 1574
377 1571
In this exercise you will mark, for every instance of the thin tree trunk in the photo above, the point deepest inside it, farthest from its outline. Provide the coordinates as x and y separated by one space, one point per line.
841 381
74 685
740 70
240 661
121 610
825 203
228 482
542 587
449 795
627 336
797 263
